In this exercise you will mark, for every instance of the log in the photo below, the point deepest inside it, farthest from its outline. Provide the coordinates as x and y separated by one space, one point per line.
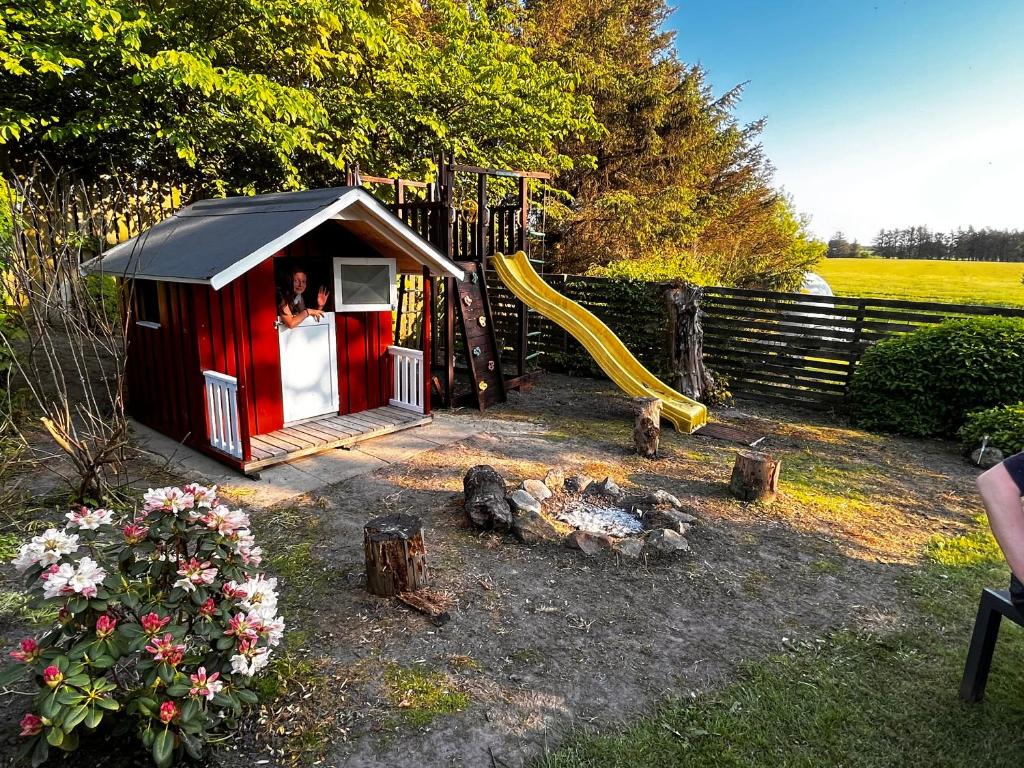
429 602
396 560
647 426
485 498
755 477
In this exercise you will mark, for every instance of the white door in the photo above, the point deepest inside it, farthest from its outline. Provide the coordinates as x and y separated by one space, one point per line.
309 369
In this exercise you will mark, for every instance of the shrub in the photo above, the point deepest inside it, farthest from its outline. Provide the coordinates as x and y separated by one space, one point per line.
924 383
1003 425
163 622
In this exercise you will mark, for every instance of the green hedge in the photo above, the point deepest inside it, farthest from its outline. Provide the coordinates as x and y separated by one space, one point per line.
1003 425
925 383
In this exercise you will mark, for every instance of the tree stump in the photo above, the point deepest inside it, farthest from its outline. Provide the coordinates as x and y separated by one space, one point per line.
647 426
485 498
396 560
686 341
755 477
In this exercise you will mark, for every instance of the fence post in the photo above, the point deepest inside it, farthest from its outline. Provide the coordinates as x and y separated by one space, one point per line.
855 340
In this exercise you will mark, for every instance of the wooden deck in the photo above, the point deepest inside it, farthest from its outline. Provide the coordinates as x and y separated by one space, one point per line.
326 432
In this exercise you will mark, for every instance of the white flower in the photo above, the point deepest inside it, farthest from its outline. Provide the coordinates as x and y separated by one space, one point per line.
28 556
203 497
46 550
87 577
252 663
55 583
89 520
258 595
274 630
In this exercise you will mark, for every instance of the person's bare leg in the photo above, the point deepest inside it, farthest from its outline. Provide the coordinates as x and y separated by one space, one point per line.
1002 498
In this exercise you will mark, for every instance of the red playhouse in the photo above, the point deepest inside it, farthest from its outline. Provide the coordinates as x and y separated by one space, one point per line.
211 359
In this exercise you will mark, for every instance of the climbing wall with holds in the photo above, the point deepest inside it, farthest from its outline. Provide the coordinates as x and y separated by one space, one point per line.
481 346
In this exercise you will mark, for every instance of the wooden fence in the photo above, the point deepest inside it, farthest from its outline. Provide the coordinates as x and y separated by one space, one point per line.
799 348
788 347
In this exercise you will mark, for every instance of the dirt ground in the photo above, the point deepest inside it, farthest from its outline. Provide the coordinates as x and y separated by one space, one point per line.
543 639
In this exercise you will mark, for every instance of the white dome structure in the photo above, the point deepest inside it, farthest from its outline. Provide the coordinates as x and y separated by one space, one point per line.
815 284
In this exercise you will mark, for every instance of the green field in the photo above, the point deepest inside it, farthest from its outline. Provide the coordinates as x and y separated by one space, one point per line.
959 282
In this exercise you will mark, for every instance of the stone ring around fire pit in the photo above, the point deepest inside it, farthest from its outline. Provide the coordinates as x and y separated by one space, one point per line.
581 512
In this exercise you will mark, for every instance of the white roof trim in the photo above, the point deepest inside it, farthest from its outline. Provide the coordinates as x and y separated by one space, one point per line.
380 218
383 221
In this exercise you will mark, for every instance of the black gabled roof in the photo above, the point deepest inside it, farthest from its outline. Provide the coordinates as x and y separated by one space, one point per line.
214 241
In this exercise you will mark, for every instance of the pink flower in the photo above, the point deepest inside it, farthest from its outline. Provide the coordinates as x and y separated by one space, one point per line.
207 609
244 627
167 500
226 521
205 686
134 533
29 651
195 574
168 711
52 676
232 590
151 623
31 725
105 624
167 650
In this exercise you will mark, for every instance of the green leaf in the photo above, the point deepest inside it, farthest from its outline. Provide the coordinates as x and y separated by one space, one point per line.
163 748
40 752
189 710
75 716
54 736
177 690
94 717
69 697
193 745
246 696
108 703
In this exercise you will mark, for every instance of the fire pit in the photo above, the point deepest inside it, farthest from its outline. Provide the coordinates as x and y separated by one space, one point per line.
581 512
584 515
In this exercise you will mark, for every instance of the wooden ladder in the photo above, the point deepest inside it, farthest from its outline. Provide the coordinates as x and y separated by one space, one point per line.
482 354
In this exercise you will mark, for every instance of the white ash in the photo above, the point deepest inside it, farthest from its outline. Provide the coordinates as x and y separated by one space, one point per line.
614 521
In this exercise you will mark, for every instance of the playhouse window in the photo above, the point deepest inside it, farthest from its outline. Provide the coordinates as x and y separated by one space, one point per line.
364 285
147 303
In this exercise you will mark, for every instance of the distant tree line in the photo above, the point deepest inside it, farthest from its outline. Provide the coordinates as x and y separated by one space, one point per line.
961 245
841 248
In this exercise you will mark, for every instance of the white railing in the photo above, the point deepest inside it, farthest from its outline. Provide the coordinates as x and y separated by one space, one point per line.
222 410
407 371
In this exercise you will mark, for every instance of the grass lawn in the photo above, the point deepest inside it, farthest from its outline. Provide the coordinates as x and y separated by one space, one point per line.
849 699
828 628
960 282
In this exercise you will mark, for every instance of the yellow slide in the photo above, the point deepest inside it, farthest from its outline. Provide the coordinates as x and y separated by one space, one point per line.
597 338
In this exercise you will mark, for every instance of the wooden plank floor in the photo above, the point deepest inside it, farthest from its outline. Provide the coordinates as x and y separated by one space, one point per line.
326 432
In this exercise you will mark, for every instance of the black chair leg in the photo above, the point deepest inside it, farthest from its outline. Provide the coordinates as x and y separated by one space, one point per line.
979 656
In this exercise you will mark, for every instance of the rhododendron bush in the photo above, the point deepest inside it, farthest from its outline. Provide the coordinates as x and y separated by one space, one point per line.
164 619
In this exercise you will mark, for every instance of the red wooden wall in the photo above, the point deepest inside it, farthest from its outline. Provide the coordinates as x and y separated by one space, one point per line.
232 331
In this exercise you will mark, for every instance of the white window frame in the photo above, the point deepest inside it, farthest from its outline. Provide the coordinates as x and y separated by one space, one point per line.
339 306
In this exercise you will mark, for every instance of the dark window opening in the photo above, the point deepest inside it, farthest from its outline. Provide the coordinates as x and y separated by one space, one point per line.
147 303
317 275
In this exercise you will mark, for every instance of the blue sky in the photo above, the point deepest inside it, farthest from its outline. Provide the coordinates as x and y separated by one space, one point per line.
882 113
